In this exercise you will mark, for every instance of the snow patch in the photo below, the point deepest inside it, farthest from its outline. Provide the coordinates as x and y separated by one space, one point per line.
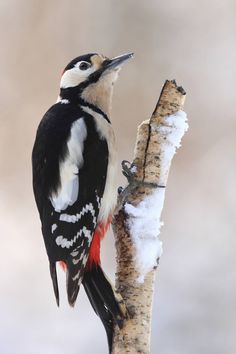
174 131
144 219
144 225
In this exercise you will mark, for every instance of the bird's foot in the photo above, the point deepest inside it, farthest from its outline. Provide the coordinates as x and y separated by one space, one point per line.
129 170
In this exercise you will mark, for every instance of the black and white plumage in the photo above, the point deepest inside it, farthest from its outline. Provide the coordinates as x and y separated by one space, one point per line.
74 160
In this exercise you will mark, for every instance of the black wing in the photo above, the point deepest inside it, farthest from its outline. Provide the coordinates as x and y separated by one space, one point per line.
68 233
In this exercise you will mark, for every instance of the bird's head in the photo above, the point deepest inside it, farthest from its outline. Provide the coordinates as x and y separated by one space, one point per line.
91 78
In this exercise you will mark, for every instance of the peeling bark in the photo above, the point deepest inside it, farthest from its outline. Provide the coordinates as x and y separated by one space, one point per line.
148 171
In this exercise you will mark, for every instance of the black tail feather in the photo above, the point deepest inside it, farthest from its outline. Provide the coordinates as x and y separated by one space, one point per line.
100 309
106 293
74 276
104 300
72 290
53 272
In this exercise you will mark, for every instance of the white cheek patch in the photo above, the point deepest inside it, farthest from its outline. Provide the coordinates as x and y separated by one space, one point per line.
75 76
68 192
71 78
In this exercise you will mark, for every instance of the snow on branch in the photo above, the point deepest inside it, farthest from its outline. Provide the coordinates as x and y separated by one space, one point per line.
144 219
144 226
137 223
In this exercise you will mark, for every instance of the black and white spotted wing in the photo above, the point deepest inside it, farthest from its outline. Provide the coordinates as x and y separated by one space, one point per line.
69 174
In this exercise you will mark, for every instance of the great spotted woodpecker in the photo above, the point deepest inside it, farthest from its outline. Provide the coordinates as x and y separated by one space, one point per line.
74 170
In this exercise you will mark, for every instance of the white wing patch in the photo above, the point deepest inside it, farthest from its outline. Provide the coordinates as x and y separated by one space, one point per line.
65 243
54 227
75 218
68 192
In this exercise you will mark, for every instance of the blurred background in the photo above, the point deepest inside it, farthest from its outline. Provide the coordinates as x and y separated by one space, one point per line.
191 41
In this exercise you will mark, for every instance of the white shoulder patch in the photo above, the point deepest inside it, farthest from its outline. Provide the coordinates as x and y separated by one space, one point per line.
68 192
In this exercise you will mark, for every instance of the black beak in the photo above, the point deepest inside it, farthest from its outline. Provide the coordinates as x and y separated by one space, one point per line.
117 61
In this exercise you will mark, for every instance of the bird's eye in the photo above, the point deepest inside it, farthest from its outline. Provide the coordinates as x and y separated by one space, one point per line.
84 65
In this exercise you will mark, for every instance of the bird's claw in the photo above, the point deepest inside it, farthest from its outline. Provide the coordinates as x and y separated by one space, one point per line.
128 170
120 190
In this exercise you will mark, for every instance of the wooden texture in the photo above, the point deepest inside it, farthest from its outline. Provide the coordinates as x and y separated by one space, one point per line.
149 171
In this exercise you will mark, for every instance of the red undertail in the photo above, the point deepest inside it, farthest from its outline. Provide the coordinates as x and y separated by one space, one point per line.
94 252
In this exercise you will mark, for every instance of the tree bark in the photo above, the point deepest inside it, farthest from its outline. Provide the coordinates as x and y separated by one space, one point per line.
148 171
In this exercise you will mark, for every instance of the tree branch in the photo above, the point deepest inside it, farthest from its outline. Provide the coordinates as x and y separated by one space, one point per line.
137 222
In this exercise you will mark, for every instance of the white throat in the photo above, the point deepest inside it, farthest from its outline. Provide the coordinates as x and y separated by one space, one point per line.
100 93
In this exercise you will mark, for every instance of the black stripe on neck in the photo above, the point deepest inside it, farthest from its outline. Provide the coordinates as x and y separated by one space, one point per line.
84 103
73 95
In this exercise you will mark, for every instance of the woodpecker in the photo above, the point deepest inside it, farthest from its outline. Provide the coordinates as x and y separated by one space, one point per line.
74 169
